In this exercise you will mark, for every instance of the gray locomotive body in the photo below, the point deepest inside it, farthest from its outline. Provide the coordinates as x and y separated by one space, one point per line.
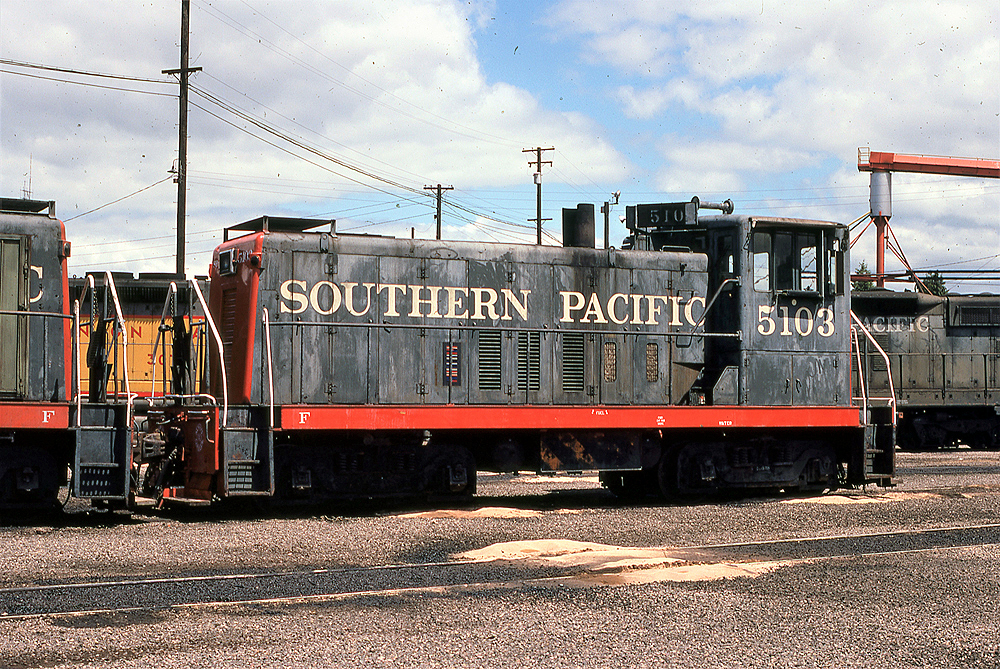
35 367
385 358
944 353
708 356
363 320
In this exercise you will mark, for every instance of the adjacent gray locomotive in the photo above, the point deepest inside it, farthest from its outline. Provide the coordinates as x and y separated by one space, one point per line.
35 442
710 353
48 425
944 354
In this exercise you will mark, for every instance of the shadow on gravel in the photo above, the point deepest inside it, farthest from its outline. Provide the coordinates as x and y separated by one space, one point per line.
78 514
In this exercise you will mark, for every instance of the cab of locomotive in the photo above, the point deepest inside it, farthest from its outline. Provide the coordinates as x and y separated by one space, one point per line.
777 330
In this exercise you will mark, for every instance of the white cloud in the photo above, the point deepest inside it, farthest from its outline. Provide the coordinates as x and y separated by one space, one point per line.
392 86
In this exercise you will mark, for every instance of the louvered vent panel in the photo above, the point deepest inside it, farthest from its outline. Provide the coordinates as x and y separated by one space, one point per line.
529 346
228 326
489 360
652 362
876 360
573 363
610 362
978 316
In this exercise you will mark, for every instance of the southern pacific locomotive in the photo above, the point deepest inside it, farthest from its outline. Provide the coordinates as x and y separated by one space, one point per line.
709 353
944 353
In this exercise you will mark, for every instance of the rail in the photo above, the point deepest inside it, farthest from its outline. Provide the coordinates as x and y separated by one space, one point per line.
42 315
160 329
732 280
865 397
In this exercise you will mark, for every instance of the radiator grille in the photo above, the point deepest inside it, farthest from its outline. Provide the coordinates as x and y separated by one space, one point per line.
529 345
489 360
228 326
981 316
573 363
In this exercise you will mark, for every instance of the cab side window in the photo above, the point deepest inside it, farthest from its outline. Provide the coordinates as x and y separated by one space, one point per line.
762 262
787 261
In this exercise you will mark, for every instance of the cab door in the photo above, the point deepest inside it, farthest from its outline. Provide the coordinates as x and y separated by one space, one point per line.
13 328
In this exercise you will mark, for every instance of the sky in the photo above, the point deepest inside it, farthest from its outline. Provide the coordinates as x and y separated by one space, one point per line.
347 110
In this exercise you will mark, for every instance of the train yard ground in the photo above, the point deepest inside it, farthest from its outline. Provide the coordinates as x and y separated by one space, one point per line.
533 572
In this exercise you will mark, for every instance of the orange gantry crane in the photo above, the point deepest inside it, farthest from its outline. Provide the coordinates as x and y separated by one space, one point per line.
882 164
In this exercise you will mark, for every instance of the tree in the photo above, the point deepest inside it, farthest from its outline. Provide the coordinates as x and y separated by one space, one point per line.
935 284
862 284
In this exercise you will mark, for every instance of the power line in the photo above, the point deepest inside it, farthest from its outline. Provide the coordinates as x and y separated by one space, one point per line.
84 83
118 200
66 70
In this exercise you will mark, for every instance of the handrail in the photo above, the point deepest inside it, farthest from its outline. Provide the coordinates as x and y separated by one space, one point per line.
47 314
474 328
171 293
88 286
891 400
121 323
733 279
270 369
218 343
119 328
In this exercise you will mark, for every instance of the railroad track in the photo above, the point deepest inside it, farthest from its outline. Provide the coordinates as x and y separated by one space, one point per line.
304 586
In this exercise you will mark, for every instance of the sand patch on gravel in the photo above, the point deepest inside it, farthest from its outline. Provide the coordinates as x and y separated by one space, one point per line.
542 480
616 565
485 512
698 572
881 498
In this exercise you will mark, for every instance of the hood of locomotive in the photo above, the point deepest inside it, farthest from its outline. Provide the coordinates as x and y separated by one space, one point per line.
234 280
298 280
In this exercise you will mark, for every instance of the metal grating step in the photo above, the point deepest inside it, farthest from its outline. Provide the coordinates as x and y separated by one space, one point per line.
240 474
100 480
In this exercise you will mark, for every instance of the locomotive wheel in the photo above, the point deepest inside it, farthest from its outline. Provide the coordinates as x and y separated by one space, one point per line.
667 476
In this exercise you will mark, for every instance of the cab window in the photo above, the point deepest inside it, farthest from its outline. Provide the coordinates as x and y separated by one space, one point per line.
787 261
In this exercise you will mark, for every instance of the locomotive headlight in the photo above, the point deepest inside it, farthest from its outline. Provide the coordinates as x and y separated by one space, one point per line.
226 265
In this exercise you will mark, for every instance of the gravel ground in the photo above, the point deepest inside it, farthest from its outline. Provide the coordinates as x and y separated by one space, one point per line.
935 608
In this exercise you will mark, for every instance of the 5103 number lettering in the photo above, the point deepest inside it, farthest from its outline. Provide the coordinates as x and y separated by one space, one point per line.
803 322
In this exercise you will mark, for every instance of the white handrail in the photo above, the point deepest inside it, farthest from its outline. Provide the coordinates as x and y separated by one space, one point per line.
171 292
218 343
891 400
121 323
270 368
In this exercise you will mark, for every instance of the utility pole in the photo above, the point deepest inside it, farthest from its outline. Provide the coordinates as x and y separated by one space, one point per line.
538 162
181 177
606 210
439 188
